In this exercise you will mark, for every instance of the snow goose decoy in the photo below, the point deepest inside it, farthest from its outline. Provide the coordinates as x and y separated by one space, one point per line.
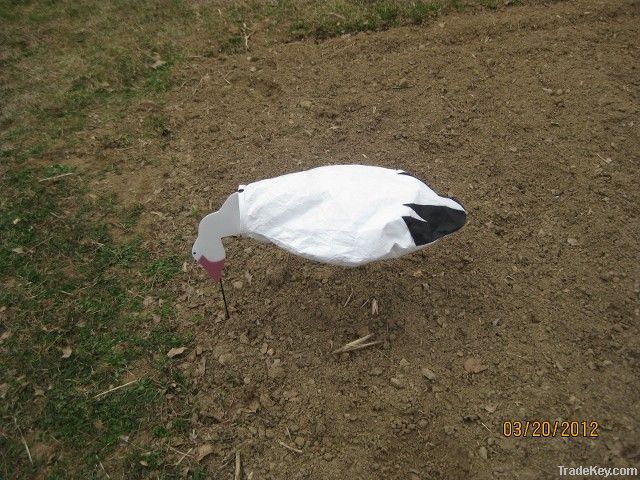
341 214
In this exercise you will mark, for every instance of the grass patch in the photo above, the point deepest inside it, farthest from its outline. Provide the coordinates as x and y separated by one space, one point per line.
419 12
131 215
492 4
156 125
67 290
164 269
329 19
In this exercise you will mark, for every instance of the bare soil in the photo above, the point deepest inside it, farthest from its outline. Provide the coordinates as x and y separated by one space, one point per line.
528 115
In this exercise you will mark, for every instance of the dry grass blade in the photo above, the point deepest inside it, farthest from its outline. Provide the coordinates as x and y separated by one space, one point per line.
103 470
337 15
184 455
360 347
56 177
246 36
116 388
226 459
356 344
353 343
348 299
289 447
360 340
24 442
238 474
374 307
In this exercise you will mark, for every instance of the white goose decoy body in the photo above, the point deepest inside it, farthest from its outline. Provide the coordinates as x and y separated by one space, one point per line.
340 214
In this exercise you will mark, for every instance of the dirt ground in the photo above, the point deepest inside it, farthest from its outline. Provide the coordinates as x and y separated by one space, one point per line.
529 116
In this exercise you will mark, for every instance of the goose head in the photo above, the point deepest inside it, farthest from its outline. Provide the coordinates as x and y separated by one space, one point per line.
208 250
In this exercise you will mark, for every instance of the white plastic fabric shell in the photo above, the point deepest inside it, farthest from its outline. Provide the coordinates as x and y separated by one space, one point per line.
341 214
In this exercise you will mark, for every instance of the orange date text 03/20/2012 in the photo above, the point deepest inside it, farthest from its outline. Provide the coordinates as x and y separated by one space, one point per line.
553 428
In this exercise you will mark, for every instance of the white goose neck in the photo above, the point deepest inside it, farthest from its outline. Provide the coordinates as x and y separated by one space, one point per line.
226 221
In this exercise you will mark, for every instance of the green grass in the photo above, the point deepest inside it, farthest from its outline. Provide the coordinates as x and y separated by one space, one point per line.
329 19
68 290
419 12
492 4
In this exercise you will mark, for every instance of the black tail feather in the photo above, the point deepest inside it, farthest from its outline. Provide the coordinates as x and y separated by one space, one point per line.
438 222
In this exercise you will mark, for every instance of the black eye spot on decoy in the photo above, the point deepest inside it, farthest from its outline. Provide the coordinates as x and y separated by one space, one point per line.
438 222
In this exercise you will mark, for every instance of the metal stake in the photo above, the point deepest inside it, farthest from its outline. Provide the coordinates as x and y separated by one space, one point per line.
226 309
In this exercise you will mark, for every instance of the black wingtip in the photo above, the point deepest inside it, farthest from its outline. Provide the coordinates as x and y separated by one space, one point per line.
438 222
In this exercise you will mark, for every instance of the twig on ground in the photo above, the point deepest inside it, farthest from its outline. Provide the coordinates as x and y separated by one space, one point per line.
348 299
374 307
238 474
184 455
81 288
516 355
116 388
24 442
337 15
178 451
102 467
360 347
229 457
357 344
289 447
357 341
246 36
195 89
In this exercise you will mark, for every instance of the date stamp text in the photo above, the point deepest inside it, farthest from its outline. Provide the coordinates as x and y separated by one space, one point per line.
552 428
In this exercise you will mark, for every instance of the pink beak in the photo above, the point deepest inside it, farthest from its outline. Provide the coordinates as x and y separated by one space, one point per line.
214 268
